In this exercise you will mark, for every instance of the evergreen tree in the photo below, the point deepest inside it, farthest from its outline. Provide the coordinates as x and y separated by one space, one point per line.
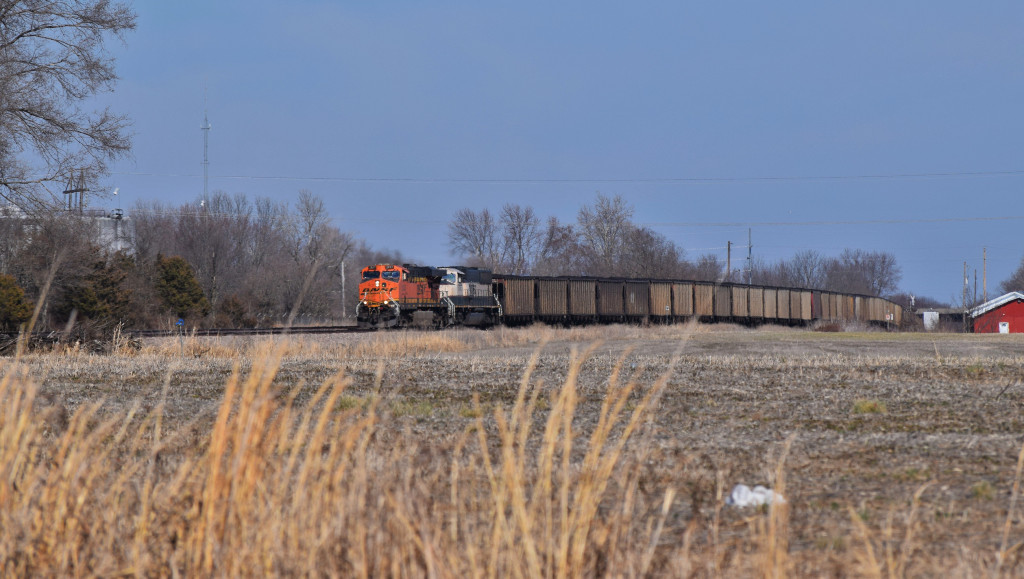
100 294
177 286
14 309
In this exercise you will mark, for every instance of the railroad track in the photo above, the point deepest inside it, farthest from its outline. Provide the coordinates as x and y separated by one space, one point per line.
248 331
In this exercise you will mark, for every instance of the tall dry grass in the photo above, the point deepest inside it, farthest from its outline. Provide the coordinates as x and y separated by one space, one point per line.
277 487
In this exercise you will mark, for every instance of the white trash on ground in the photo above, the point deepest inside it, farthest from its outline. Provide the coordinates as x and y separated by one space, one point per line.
744 496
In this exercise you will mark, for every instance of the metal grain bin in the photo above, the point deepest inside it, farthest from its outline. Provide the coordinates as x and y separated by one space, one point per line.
552 298
582 298
723 301
739 302
755 299
661 299
806 308
637 299
516 296
771 303
609 299
784 304
682 299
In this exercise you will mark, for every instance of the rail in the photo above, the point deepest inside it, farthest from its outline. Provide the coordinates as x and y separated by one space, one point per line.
249 331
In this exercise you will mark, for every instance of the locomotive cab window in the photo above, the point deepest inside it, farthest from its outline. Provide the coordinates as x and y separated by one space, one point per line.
392 275
451 278
371 274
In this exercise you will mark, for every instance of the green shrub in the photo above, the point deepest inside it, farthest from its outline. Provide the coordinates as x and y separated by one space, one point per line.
14 308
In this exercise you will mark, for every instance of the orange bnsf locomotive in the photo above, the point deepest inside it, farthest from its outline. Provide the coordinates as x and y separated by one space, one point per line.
403 295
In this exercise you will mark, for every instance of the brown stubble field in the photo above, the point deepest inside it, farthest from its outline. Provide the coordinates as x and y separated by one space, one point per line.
609 450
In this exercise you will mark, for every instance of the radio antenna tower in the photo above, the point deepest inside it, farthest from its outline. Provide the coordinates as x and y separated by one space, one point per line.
206 146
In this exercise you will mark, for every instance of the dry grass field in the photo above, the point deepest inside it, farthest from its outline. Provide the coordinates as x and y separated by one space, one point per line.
533 452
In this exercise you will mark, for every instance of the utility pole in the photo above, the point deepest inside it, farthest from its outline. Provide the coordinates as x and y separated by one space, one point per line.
965 297
728 261
750 256
206 160
984 274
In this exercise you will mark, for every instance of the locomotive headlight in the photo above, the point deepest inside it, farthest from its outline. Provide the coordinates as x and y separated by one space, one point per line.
377 283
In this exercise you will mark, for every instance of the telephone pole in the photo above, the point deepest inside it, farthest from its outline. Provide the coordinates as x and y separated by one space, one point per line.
750 256
965 296
984 274
728 261
206 146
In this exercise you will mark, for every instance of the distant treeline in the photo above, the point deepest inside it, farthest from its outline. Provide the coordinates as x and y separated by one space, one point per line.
230 262
604 241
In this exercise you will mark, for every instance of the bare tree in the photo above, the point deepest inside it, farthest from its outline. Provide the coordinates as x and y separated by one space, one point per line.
52 62
857 271
560 252
1014 283
648 254
807 269
708 268
603 229
521 237
475 235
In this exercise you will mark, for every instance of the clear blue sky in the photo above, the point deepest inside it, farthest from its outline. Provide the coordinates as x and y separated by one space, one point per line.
807 121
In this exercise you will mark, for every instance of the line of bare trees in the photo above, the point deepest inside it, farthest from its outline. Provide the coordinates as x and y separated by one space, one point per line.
604 241
231 262
857 271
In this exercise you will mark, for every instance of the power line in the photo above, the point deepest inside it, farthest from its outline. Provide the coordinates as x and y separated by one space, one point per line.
660 181
841 222
173 212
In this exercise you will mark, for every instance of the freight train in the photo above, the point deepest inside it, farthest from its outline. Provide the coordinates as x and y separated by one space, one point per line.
408 295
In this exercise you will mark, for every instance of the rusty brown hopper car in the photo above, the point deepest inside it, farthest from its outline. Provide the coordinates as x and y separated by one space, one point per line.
704 300
723 301
661 300
794 305
552 299
583 299
823 303
682 299
739 302
637 300
755 299
609 300
784 303
771 303
806 305
516 295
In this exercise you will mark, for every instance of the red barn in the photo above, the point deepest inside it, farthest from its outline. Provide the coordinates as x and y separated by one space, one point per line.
1003 315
